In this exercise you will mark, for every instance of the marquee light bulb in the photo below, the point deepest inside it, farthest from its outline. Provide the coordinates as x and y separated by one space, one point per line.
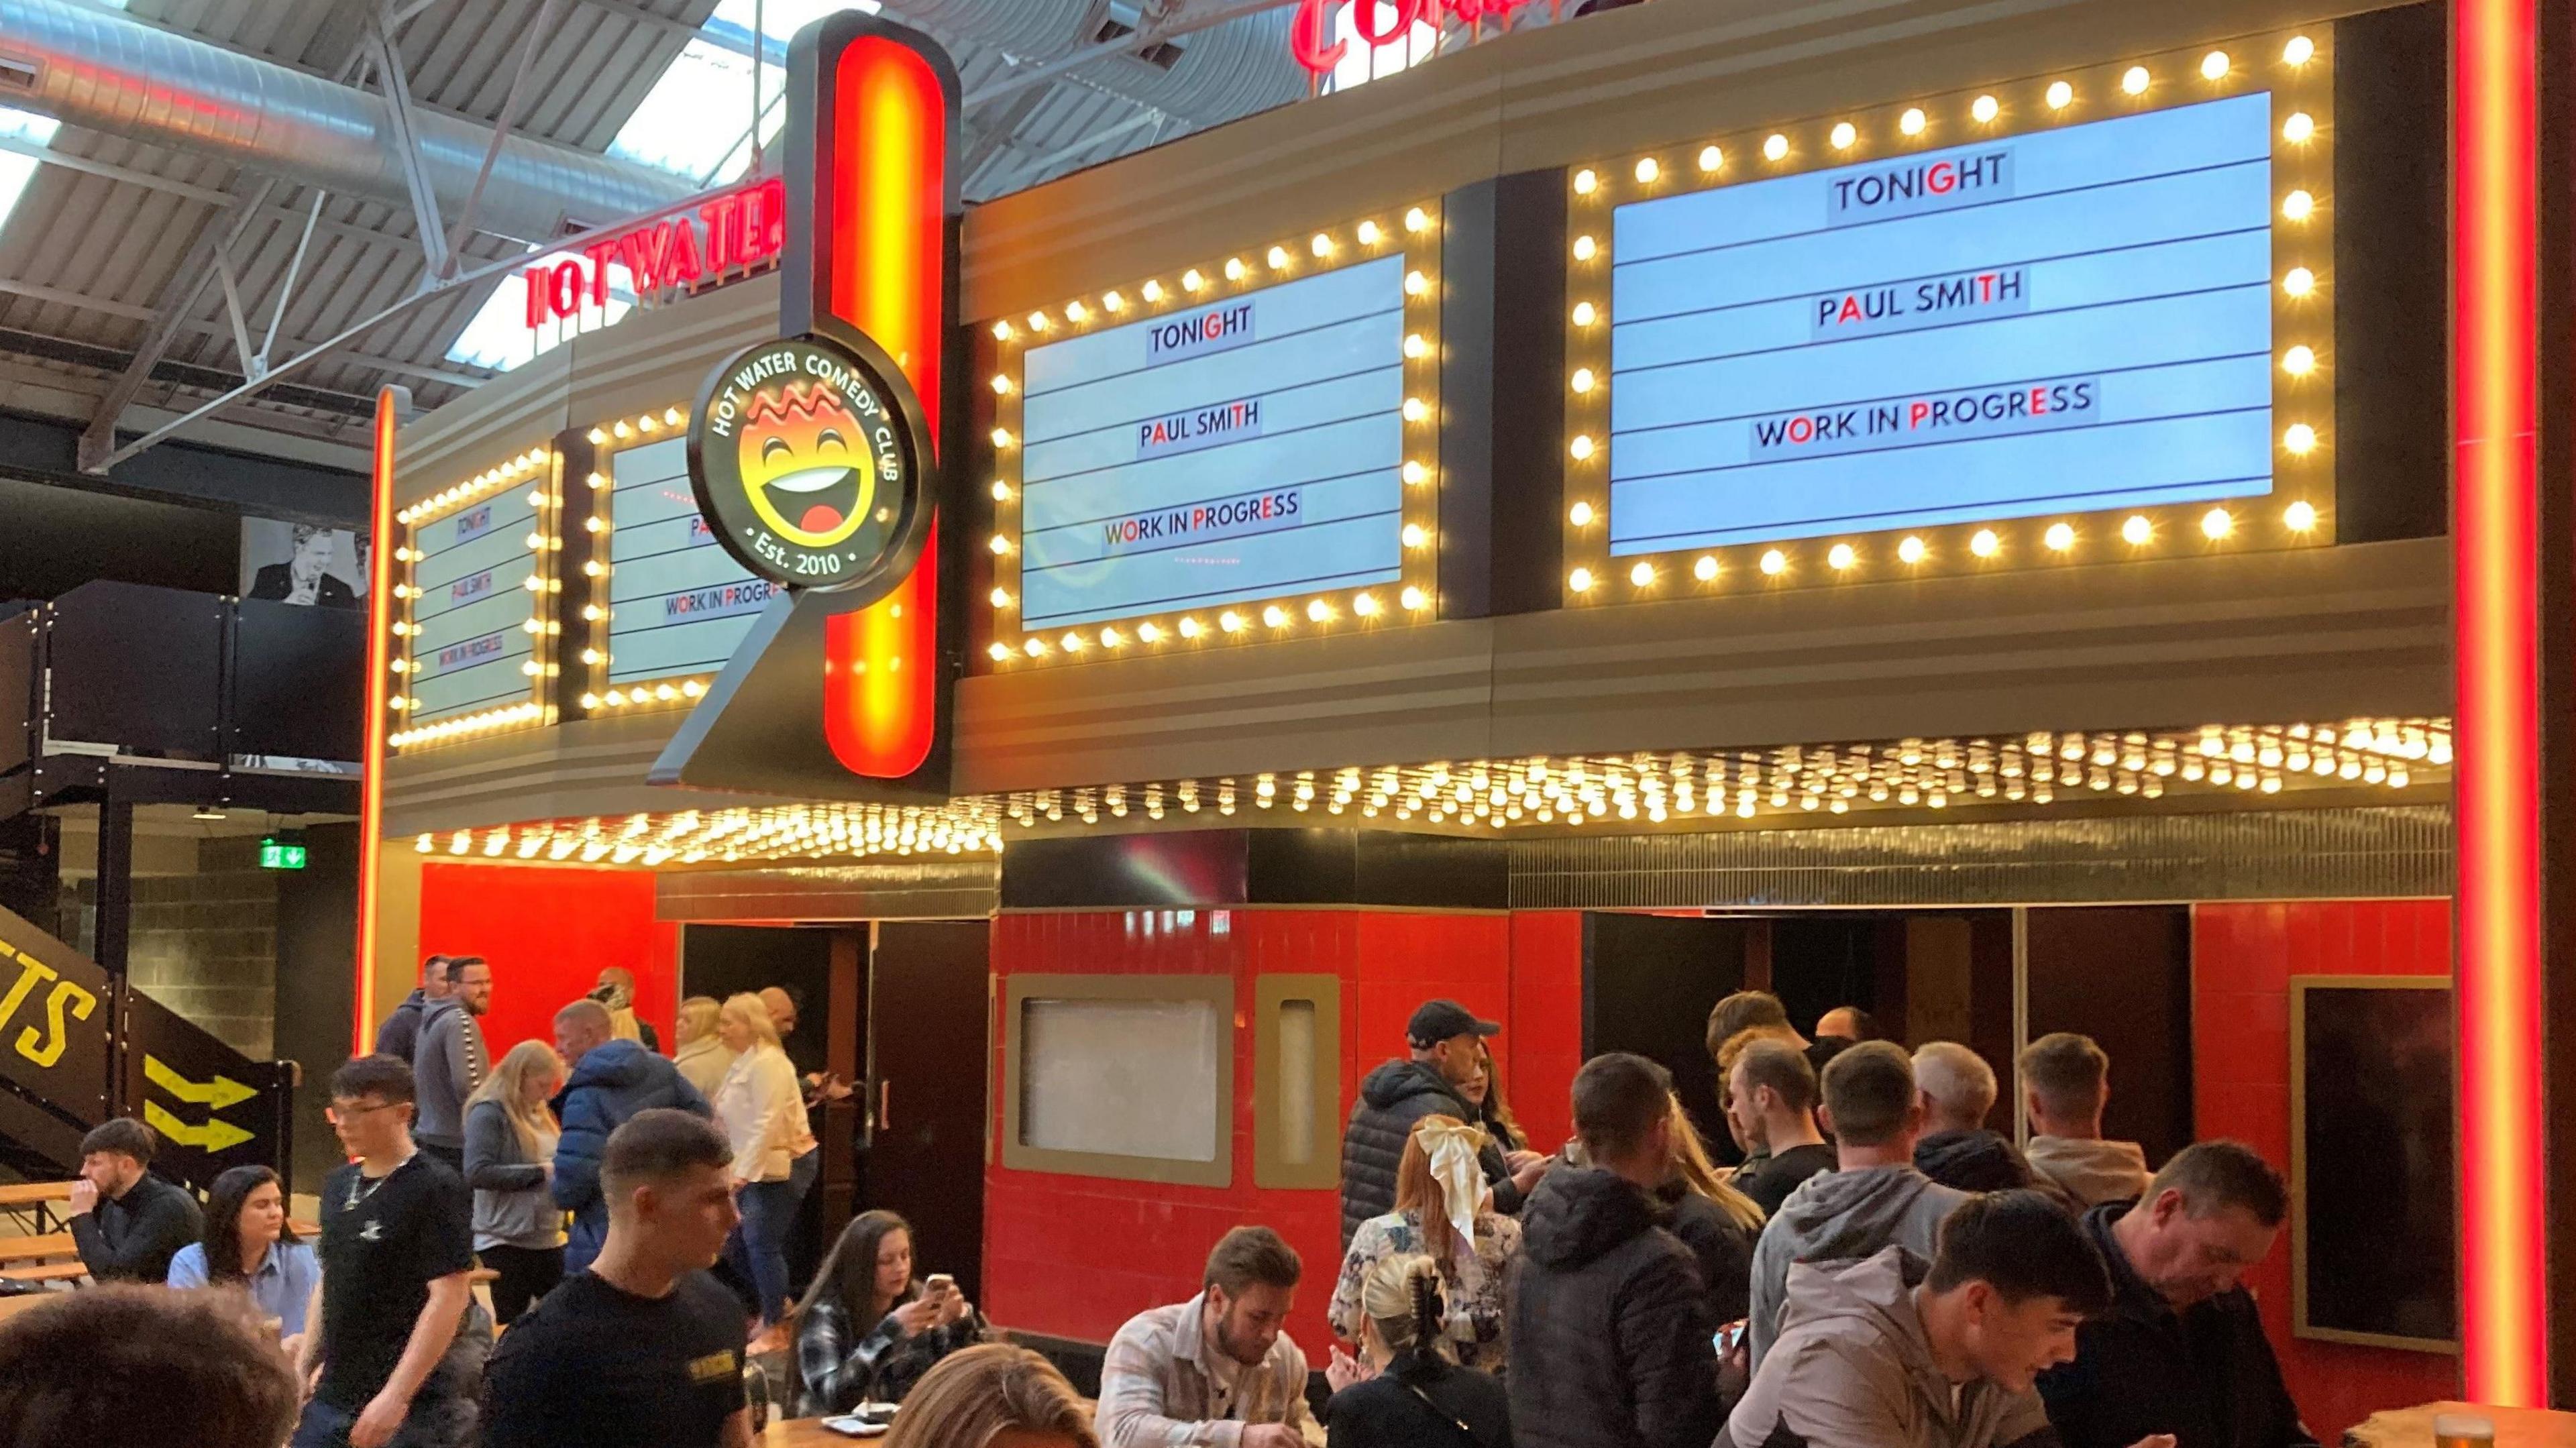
1001 491
1415 410
2299 438
1583 379
1581 447
1076 312
1843 135
2213 66
1585 181
1580 515
1191 280
1985 544
1321 246
2133 81
2298 281
1037 321
1151 291
1319 611
1912 550
2298 205
1001 598
1648 169
1775 147
1275 616
1984 109
1364 604
1369 233
1278 258
1414 346
2138 532
1112 302
2298 128
1234 268
1585 248
2301 516
1190 628
1415 473
1580 580
1230 621
2059 537
1416 219
1035 648
1774 563
1001 385
1842 556
1000 545
2299 51
1711 158
1413 599
2060 95
2217 523
1705 569
1001 437
1415 536
2299 361
1111 638
1642 574
1584 313
999 651
1003 332
1912 122
1415 284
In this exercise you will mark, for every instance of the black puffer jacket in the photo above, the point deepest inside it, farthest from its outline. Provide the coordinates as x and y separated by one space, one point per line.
1392 1099
1723 1250
1610 1325
1972 1161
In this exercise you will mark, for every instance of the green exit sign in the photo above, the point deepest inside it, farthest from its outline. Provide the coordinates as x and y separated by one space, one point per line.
281 854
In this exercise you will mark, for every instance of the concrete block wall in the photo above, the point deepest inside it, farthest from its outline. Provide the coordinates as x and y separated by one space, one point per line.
205 945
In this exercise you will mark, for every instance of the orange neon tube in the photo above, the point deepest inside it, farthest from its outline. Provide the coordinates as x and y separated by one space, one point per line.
371 778
2496 787
889 222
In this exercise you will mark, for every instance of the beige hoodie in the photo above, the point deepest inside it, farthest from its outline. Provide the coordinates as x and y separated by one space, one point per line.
1852 1369
2088 1172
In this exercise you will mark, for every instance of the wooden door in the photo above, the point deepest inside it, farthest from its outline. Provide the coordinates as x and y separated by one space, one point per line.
929 1008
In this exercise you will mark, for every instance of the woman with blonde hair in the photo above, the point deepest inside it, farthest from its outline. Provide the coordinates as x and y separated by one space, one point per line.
702 1058
991 1396
761 1106
1718 1223
1402 1391
510 1136
1444 1212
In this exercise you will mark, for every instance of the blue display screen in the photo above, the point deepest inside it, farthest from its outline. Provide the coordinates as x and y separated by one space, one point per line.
2062 321
1241 449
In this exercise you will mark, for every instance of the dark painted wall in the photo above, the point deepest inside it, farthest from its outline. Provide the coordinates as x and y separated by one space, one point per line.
317 931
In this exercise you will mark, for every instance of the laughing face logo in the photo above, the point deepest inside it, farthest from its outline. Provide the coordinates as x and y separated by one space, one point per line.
804 465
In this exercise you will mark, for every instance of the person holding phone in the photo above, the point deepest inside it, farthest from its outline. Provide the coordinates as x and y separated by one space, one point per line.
865 1331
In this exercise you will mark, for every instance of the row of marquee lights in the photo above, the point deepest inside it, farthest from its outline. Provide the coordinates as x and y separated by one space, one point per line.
536 466
1415 232
1596 190
1654 787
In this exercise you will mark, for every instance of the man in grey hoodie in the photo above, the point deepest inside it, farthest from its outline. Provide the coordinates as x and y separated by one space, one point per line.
2069 1082
450 1060
1875 1198
1889 1352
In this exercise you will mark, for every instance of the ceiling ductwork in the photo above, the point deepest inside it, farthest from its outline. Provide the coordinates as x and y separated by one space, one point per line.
104 71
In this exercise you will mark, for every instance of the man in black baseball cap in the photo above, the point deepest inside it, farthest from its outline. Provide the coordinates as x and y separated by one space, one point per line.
1446 1052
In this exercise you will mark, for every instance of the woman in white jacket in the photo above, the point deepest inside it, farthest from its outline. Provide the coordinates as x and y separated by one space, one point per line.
761 1105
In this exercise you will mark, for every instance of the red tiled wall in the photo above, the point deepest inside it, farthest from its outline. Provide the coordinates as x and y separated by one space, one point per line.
547 933
1076 1256
2242 959
1544 1047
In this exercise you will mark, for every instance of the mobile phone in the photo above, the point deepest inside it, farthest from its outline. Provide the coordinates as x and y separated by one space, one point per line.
854 1426
939 1284
1728 1337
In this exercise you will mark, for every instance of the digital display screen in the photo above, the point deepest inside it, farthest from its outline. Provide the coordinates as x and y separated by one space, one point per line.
1242 449
678 603
2067 320
470 607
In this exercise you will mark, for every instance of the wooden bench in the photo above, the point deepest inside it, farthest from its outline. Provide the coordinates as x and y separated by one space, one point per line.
47 1272
33 1194
14 1250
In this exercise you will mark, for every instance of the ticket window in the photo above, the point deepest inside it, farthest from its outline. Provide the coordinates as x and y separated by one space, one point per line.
1120 1076
1297 1080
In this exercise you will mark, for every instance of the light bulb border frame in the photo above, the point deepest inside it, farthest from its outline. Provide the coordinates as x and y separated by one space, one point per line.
600 692
542 467
2307 398
1003 643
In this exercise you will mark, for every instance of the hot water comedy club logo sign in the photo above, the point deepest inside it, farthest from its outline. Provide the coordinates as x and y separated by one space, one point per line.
805 462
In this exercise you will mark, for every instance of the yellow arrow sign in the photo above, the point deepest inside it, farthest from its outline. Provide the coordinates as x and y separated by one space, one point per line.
213 1136
218 1093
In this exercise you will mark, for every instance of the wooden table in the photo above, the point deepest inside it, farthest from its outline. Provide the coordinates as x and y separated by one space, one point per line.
12 1306
807 1433
2413 1427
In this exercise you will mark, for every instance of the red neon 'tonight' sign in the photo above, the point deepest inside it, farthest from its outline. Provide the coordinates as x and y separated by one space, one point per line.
1381 23
737 232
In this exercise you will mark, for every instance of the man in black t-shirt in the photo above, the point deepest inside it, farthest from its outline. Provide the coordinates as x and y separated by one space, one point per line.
1771 1100
400 1343
645 1349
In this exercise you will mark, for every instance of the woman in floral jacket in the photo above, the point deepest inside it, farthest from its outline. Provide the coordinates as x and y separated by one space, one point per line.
866 1332
1443 1211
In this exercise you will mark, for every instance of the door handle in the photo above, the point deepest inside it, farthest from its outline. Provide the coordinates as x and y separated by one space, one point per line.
885 1104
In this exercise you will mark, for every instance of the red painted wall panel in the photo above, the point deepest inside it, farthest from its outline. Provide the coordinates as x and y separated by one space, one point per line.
2242 959
548 932
1076 1256
1544 1047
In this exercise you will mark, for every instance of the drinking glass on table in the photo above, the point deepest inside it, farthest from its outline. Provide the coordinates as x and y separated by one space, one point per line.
2462 1430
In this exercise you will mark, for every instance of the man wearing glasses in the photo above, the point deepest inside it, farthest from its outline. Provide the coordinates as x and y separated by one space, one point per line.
399 1352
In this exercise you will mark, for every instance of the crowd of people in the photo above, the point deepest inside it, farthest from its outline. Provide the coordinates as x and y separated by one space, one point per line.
1883 1269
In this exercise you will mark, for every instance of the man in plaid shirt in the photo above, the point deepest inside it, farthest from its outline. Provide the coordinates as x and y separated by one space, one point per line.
1215 1371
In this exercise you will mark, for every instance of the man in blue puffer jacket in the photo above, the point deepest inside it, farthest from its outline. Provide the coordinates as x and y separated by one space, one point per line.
609 1082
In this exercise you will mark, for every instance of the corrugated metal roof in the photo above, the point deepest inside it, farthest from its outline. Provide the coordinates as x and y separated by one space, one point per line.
93 249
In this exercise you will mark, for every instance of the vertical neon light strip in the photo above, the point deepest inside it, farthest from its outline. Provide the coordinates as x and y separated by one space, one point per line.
2496 789
371 779
889 223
